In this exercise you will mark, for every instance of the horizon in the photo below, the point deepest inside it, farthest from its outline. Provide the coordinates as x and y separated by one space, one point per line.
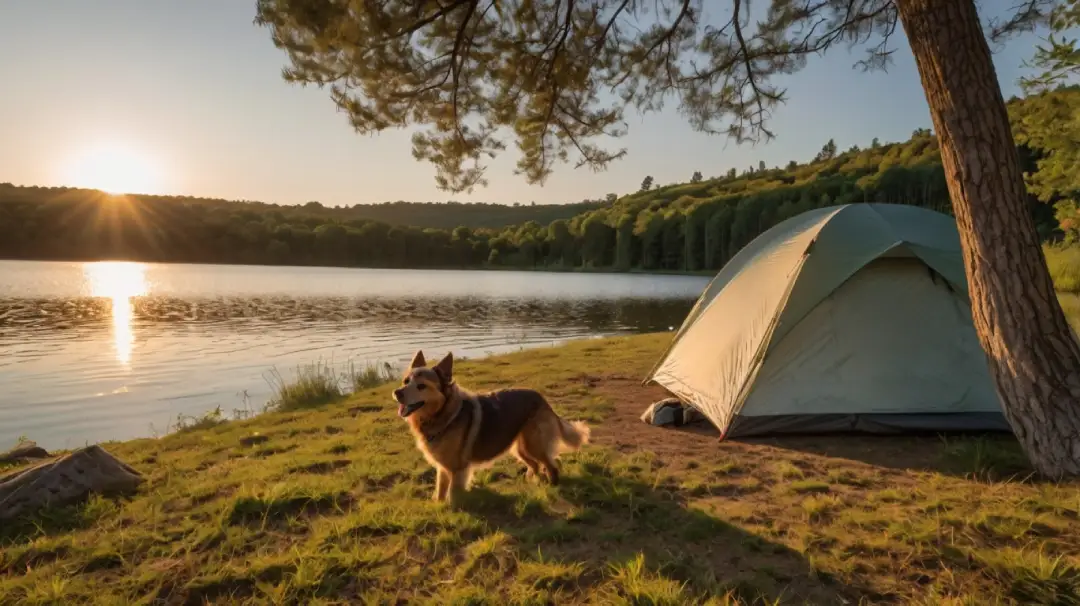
188 101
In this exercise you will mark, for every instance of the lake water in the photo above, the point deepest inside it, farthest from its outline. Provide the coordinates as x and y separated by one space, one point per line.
114 350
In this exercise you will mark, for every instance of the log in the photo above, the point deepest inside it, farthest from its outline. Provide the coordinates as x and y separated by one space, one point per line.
65 480
24 450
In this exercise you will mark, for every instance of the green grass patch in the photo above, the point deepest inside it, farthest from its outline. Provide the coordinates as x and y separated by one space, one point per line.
370 375
315 384
318 384
986 457
1063 261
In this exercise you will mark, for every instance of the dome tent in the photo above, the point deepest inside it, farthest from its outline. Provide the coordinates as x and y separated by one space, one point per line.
845 318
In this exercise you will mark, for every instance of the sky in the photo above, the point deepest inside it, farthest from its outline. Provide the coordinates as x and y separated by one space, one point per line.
188 96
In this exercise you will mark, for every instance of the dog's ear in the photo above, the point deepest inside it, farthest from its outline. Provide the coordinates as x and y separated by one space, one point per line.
418 360
445 367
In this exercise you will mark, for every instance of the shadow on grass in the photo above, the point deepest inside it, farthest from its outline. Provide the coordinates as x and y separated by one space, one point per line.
992 455
606 534
53 521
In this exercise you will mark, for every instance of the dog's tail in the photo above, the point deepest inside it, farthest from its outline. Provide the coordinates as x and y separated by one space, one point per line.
574 434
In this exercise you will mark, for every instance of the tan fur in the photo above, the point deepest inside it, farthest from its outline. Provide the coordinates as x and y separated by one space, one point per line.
458 431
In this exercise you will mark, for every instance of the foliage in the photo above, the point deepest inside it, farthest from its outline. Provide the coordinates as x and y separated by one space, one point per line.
332 505
1049 123
693 226
828 152
1060 58
558 75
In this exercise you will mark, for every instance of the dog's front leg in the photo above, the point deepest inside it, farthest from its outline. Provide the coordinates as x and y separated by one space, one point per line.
442 484
459 482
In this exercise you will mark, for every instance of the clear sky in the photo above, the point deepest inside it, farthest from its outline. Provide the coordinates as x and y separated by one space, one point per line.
189 94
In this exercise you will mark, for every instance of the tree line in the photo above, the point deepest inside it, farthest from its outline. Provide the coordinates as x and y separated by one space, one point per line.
693 226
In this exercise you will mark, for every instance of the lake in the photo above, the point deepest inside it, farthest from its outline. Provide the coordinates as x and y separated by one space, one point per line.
114 350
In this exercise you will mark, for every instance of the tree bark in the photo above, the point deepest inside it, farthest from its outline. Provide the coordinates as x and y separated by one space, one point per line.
1033 355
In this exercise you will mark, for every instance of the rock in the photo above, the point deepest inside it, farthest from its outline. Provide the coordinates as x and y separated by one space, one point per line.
65 480
254 439
23 451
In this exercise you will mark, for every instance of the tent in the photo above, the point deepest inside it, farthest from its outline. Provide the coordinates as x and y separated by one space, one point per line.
845 318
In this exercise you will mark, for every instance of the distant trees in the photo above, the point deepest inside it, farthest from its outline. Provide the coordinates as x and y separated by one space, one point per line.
693 226
828 152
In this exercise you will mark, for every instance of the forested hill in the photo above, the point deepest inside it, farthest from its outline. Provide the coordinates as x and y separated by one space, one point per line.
439 215
683 227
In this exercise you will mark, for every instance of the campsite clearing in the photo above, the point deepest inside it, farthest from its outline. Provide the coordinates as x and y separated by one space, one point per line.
332 505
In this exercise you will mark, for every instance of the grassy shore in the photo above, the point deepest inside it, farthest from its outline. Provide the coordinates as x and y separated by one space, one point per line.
331 505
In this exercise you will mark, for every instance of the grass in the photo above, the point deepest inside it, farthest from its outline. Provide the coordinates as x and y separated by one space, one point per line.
370 375
317 384
1063 261
331 505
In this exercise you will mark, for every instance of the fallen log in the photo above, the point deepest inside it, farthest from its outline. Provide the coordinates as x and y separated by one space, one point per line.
65 480
25 450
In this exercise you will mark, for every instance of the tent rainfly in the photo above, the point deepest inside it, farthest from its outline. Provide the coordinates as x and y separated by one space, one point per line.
845 318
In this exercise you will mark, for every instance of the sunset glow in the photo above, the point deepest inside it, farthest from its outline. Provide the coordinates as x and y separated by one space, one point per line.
114 169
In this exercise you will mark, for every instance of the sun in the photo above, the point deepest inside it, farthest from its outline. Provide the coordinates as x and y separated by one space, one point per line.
114 169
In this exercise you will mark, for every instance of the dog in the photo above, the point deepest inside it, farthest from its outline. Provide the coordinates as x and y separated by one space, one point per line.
458 431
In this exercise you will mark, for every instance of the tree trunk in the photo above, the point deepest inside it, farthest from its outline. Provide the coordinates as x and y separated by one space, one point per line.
1033 355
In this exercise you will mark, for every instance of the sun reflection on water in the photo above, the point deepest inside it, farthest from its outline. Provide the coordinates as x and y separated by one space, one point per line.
118 281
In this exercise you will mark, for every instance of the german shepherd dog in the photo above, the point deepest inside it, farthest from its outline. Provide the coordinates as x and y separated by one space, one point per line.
458 431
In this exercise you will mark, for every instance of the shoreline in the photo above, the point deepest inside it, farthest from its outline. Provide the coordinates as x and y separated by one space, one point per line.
490 268
231 411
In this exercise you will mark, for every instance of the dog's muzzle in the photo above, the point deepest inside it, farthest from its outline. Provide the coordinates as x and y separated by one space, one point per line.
404 409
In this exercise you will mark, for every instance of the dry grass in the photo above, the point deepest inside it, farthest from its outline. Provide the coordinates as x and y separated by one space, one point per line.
334 508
